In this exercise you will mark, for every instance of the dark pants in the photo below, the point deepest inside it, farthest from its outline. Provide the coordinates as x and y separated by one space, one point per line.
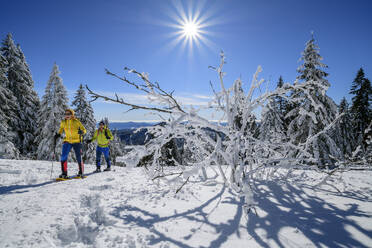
106 153
66 148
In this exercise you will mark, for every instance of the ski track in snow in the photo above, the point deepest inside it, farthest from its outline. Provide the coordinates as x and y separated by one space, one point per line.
123 208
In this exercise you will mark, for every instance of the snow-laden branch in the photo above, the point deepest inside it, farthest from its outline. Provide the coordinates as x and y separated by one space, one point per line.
120 100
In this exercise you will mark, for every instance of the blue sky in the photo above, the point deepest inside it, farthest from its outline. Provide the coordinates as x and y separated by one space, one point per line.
86 36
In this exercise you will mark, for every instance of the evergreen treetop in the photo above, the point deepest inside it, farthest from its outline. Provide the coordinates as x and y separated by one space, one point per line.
361 106
84 111
20 83
54 102
313 110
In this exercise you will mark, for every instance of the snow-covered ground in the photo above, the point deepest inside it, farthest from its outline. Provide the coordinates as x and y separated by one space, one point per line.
123 208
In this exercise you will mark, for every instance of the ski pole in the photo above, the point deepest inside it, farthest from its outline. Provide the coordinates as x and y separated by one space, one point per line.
51 172
53 157
81 142
111 158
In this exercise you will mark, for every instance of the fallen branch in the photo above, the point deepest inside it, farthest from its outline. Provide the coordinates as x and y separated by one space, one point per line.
182 185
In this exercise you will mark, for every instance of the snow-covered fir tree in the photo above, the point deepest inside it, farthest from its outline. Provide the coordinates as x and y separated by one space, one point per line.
272 127
313 110
116 147
360 108
8 110
345 137
21 84
281 102
53 106
84 112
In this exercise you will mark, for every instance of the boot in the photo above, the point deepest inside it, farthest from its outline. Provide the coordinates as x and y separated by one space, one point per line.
107 169
64 169
63 175
98 169
81 169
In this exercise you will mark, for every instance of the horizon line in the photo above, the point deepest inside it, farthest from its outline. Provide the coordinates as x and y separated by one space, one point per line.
152 121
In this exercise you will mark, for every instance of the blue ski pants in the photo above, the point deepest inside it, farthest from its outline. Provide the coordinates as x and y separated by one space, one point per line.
66 148
106 153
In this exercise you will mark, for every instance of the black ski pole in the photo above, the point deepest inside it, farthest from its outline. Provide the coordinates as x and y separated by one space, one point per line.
81 144
53 157
111 158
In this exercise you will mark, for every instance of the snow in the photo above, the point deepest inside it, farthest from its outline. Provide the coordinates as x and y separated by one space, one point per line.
124 208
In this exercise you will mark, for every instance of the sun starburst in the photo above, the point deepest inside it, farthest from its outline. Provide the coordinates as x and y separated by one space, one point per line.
190 29
190 26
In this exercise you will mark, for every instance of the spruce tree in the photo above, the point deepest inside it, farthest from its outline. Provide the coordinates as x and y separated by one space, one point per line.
8 109
272 125
313 109
53 106
345 135
361 108
280 102
116 147
84 111
22 86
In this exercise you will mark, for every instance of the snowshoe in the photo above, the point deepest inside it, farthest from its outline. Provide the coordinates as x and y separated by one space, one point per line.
107 169
80 175
63 176
97 170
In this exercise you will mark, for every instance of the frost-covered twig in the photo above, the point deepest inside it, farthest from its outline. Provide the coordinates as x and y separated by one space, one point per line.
96 96
167 175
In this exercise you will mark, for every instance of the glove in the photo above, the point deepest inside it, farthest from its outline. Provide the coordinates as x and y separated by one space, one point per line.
56 136
80 132
89 141
107 137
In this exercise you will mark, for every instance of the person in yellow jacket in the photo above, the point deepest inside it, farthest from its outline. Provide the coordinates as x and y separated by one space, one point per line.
74 132
103 136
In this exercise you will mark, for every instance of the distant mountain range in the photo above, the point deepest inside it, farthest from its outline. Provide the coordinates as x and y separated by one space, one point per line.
130 125
133 125
129 135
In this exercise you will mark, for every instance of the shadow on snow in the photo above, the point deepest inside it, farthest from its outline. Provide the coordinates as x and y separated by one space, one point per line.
18 189
319 221
323 223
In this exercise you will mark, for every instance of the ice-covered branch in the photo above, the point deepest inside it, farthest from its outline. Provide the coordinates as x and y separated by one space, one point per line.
96 96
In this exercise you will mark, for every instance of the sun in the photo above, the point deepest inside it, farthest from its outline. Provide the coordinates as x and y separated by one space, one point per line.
190 29
190 26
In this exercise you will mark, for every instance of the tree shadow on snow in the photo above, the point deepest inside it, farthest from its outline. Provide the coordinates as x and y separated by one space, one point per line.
322 222
319 221
18 189
132 215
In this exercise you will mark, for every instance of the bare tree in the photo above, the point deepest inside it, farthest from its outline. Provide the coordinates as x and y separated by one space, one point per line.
234 147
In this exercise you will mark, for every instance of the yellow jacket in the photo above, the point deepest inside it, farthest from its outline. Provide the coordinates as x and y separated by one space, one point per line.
71 129
100 136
